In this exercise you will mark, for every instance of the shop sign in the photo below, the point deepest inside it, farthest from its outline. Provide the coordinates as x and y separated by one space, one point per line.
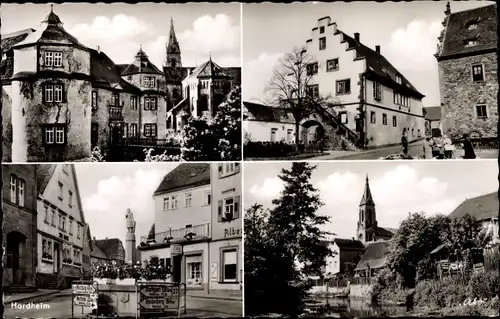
176 250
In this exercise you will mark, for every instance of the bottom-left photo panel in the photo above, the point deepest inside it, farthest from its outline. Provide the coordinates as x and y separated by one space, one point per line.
129 240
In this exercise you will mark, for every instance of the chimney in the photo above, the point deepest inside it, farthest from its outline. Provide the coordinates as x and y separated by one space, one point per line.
353 239
94 238
98 49
356 37
377 49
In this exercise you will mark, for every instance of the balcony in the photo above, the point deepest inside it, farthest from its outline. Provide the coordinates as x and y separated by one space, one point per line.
115 113
196 232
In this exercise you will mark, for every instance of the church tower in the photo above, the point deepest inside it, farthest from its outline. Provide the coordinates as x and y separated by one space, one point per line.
367 220
173 56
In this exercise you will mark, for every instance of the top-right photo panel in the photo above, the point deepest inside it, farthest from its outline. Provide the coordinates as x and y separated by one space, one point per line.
370 81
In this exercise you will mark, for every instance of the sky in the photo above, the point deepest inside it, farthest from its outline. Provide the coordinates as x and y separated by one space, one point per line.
406 31
108 190
397 188
120 29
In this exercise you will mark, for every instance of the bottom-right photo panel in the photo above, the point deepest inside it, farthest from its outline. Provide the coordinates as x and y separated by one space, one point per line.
365 239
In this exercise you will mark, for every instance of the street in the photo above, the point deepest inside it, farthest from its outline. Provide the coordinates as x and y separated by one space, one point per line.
59 306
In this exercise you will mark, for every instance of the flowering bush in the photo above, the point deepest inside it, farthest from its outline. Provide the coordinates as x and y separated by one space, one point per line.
97 155
148 271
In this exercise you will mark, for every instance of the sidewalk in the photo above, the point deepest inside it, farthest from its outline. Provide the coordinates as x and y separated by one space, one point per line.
29 295
235 296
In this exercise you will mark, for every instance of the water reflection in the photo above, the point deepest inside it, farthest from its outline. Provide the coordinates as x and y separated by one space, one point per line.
355 307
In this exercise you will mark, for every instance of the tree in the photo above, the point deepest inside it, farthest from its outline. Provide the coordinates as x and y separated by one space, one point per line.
151 234
290 88
216 139
409 256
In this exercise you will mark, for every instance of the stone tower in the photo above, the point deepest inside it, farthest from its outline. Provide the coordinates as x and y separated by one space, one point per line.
367 220
130 238
173 56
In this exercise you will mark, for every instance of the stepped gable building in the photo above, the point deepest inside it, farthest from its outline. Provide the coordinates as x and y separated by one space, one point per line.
378 101
468 72
61 99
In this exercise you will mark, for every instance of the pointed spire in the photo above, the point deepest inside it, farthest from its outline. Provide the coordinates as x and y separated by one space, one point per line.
173 44
52 18
367 195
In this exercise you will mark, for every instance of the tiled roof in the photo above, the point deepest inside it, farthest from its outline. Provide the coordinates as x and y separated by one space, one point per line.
185 175
7 68
375 255
349 244
10 39
53 33
235 73
367 198
106 74
264 113
379 67
386 232
175 75
209 69
482 207
432 113
457 31
110 247
44 173
141 64
97 252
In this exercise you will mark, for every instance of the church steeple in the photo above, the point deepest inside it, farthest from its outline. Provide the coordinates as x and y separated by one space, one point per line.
173 54
367 198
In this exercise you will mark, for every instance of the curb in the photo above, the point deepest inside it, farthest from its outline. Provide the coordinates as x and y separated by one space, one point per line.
32 297
216 298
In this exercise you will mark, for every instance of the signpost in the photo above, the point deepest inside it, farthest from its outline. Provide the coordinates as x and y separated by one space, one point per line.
84 294
156 298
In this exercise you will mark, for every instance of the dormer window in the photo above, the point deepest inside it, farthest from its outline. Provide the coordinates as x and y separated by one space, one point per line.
472 26
399 79
470 43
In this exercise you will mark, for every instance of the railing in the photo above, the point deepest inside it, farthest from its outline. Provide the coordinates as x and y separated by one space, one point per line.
115 113
189 233
150 142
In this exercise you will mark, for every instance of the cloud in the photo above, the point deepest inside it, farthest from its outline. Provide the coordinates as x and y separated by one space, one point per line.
337 188
257 73
211 34
118 27
413 47
270 189
105 209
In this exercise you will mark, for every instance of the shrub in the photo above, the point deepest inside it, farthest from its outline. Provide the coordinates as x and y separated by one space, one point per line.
484 285
448 292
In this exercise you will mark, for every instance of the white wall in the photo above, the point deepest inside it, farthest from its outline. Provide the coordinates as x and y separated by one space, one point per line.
197 214
261 131
25 59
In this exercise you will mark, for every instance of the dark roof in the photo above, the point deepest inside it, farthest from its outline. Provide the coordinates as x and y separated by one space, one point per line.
379 67
110 247
141 64
265 113
7 68
209 69
432 113
349 244
106 74
44 173
374 256
367 198
386 232
10 39
235 73
97 252
185 175
52 18
457 31
482 207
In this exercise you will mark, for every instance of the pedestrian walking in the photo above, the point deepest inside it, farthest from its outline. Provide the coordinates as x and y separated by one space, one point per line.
404 141
427 148
468 149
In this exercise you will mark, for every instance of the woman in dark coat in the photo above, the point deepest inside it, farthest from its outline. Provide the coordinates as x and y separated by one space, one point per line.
404 141
468 149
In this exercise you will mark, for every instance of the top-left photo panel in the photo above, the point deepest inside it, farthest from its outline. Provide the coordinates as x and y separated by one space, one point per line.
121 82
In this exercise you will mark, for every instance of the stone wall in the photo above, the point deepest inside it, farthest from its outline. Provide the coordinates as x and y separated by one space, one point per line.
460 95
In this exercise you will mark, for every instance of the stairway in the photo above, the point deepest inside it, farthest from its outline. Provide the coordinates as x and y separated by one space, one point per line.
332 117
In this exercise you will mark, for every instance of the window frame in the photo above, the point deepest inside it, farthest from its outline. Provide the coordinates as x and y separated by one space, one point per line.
394 121
373 117
322 43
222 260
476 109
312 68
384 118
188 199
313 91
332 61
149 129
481 68
377 91
338 85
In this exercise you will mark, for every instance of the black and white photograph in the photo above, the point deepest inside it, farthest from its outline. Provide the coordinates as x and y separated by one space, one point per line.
121 82
371 239
122 240
370 80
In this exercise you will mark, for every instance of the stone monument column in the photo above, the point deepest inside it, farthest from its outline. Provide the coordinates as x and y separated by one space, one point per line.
130 238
